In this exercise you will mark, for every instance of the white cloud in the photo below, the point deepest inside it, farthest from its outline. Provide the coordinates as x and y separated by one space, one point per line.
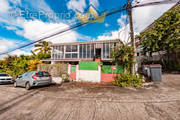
94 2
107 25
121 21
36 29
81 4
10 28
35 5
122 34
15 2
144 16
39 5
76 5
42 7
7 44
4 6
20 52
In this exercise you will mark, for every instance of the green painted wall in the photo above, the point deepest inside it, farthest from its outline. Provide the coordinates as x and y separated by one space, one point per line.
73 68
106 69
88 66
118 70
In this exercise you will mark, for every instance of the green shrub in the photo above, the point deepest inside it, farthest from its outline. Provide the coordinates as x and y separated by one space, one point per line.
65 78
128 80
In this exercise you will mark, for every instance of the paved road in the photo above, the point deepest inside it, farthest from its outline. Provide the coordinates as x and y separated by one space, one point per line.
91 102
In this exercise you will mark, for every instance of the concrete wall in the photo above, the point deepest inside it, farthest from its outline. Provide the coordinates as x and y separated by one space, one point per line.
88 75
57 80
56 70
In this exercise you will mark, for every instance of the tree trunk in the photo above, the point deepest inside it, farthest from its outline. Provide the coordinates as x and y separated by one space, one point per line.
161 59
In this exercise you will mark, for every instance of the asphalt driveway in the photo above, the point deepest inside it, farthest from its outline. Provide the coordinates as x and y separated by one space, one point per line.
72 101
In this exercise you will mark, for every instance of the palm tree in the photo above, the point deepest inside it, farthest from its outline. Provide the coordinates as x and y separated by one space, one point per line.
42 47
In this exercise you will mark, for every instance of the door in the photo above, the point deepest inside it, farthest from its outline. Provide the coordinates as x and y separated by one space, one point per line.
21 80
73 72
98 52
18 81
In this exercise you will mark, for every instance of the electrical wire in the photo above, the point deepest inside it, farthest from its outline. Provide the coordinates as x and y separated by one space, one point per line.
64 30
82 24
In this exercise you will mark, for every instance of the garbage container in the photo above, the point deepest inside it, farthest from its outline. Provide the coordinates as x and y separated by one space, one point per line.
156 72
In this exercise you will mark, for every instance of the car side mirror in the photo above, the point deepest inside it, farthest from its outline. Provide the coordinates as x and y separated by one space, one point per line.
19 77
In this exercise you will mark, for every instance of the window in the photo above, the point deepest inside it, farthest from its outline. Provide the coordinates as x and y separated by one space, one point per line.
74 48
46 74
107 49
23 75
92 51
74 55
39 74
58 52
71 51
86 51
104 51
81 51
68 55
68 48
4 75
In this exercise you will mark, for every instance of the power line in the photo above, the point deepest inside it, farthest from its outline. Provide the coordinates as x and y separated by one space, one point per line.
155 3
114 11
62 31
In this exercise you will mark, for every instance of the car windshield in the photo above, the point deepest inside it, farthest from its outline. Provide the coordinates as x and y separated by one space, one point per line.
4 75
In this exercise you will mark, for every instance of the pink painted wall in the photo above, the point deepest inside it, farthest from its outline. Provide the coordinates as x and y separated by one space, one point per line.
107 77
73 75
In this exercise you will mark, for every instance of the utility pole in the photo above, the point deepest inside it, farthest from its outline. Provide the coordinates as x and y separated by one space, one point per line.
131 33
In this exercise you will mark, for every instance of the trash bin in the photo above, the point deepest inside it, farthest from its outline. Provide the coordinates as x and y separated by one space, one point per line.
156 72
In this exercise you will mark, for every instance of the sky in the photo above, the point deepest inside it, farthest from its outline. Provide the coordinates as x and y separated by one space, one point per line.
24 21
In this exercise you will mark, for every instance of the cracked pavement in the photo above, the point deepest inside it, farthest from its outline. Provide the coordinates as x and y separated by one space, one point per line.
71 101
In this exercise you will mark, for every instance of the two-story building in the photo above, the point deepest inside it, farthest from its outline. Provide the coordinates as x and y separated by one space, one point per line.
82 51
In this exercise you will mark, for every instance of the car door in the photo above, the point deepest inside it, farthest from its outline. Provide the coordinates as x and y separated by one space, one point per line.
21 80
25 79
18 80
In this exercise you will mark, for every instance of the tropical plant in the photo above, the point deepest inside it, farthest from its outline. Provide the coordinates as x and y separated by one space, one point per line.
123 55
32 64
40 56
14 65
42 47
164 34
128 80
65 78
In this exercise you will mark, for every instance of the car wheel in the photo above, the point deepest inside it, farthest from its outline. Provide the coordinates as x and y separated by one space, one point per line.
15 84
28 86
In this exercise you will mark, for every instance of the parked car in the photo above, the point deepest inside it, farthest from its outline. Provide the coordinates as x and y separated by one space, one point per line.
5 78
33 78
